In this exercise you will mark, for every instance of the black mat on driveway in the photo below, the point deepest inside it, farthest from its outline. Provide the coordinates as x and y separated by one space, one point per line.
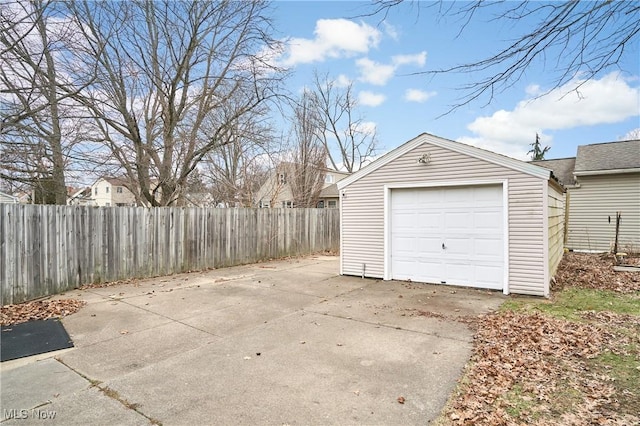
32 338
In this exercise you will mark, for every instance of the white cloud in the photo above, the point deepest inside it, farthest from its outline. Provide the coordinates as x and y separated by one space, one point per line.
365 127
417 95
342 81
370 98
608 100
379 74
418 59
334 38
390 30
373 72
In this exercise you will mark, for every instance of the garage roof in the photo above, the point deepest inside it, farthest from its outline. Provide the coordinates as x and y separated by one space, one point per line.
461 148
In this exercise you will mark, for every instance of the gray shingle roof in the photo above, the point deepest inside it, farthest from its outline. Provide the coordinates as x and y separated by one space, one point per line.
562 168
608 156
330 191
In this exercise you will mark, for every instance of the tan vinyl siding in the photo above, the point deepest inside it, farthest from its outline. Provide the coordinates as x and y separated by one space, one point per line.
556 228
596 200
363 212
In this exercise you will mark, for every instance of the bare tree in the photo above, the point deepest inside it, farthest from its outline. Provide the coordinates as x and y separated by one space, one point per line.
163 69
238 168
37 140
349 142
308 154
631 135
584 38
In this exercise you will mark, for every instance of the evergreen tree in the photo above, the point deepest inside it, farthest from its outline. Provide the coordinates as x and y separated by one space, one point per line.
537 153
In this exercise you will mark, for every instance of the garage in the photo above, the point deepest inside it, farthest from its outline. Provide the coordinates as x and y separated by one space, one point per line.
448 235
442 212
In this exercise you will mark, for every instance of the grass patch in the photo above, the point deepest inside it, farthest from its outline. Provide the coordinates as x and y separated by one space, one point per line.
593 375
520 404
568 303
564 399
625 372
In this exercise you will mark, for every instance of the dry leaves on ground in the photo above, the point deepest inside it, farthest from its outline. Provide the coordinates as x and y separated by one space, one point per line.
532 368
594 271
38 310
523 365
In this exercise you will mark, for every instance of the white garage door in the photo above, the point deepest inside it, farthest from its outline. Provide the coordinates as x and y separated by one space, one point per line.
448 235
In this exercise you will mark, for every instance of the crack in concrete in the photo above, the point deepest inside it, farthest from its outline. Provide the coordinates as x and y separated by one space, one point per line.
394 327
111 393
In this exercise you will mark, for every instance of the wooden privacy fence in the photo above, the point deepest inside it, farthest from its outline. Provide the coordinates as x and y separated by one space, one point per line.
50 249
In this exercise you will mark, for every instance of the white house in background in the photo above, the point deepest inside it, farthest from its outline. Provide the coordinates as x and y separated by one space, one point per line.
111 192
81 197
9 199
276 190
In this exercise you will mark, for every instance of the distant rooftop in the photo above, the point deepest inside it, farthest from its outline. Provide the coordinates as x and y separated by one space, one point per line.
608 156
562 168
598 157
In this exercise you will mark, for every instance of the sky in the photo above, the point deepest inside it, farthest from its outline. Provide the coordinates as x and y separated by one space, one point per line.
386 57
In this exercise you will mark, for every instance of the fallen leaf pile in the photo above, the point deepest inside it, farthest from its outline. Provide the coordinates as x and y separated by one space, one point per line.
541 358
133 281
594 271
38 310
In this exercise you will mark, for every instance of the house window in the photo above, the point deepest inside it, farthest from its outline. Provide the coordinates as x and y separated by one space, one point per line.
282 178
107 204
328 178
333 204
106 188
95 191
119 189
320 204
264 204
287 204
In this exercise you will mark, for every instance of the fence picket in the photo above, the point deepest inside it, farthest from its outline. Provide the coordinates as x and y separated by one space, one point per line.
51 249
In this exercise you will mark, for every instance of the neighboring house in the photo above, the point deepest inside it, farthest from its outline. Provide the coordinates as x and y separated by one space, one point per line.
9 199
601 180
438 211
81 197
111 191
276 190
24 197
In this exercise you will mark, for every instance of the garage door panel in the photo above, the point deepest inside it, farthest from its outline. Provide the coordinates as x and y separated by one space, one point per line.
491 248
456 247
405 246
488 220
429 271
456 195
458 273
430 197
458 221
428 220
487 195
485 276
429 247
468 220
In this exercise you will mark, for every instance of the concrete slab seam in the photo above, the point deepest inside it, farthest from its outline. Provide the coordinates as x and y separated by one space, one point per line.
111 393
394 327
169 318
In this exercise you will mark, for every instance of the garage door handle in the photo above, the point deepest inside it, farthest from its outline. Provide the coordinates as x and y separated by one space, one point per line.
443 246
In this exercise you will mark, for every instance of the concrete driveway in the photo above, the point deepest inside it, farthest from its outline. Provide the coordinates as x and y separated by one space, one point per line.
279 343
